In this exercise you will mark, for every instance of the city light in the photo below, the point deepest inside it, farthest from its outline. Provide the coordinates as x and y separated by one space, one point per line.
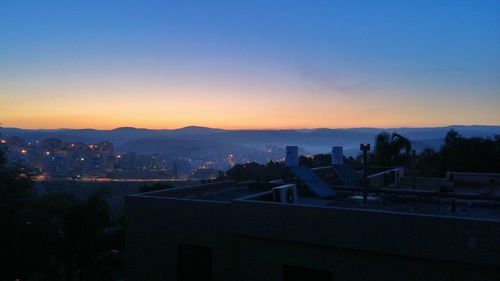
24 151
3 141
47 153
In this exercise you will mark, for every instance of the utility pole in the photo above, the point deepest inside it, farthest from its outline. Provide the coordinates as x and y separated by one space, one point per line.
365 148
413 172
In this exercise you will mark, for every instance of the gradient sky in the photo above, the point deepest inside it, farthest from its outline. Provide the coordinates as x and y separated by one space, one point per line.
249 64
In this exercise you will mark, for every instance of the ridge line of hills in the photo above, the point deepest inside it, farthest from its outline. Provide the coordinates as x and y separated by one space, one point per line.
317 140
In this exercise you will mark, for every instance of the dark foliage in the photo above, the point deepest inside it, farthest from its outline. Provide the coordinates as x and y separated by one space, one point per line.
458 154
53 237
276 170
16 198
428 163
254 171
391 150
474 154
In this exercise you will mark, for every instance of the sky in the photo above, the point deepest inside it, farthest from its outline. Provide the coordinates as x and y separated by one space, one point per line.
249 64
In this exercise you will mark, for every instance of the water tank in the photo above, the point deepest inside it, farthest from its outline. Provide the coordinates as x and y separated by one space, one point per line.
337 155
292 156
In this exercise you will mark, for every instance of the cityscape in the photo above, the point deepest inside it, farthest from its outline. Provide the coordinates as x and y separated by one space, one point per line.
51 159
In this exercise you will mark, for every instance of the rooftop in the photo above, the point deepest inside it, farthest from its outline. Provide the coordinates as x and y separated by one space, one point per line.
404 200
413 203
219 192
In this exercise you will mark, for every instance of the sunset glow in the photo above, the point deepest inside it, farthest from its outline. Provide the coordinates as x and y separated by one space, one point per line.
294 66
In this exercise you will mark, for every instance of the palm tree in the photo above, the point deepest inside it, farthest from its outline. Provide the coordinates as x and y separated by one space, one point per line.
399 143
388 149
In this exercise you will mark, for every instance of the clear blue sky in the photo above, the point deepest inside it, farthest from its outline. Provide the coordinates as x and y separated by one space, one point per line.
249 64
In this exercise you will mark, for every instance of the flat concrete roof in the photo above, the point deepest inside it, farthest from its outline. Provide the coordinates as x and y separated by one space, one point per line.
483 209
414 202
225 195
218 191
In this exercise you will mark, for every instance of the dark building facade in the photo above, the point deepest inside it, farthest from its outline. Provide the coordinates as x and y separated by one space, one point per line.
232 231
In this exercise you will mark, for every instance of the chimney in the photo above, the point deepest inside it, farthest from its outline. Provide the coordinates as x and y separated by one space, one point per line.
337 155
292 156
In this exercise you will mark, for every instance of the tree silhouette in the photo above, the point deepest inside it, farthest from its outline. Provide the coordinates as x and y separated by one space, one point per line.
474 154
53 237
388 150
254 171
16 197
428 163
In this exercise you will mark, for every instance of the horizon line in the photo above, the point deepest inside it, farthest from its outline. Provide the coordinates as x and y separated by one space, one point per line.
253 129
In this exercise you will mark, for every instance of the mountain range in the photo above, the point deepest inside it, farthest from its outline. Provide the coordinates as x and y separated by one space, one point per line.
191 138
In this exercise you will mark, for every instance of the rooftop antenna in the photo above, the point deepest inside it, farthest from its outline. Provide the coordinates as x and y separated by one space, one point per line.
413 172
365 148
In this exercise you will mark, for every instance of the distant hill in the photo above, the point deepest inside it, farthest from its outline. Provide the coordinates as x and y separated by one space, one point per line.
197 149
189 139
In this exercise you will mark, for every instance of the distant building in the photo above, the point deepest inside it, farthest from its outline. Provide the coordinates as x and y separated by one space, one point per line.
55 166
99 159
52 144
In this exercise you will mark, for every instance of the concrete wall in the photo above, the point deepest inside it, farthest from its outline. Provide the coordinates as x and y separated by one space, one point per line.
427 182
263 259
154 226
474 179
423 236
186 191
386 178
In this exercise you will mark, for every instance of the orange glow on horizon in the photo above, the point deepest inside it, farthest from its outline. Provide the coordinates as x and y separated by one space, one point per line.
100 125
231 107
